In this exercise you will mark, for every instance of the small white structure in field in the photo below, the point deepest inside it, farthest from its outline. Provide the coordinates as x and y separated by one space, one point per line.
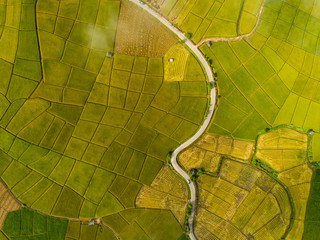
109 54
171 59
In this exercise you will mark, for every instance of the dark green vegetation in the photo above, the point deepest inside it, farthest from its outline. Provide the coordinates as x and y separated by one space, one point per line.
312 220
27 224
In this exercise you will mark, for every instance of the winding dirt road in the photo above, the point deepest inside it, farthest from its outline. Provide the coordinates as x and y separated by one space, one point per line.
207 120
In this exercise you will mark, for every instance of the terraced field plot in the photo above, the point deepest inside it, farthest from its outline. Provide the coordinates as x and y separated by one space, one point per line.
264 80
81 133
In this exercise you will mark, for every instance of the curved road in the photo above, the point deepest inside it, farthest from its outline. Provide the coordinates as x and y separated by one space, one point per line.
206 122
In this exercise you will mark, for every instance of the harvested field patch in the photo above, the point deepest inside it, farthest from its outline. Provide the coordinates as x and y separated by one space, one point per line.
140 34
7 203
207 152
282 148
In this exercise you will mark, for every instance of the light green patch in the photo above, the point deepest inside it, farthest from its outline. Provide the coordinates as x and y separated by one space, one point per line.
46 202
75 55
46 164
99 94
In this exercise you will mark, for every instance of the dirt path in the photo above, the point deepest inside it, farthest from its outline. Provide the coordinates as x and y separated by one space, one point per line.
238 38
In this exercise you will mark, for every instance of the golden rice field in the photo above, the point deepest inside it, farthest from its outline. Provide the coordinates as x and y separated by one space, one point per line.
241 202
285 150
209 149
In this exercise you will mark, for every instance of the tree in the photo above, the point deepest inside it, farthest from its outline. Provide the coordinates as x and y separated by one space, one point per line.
188 35
200 171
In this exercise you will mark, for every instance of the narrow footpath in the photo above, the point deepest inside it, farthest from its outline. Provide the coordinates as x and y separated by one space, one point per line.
207 120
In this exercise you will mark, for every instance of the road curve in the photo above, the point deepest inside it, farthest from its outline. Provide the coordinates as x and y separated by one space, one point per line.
207 120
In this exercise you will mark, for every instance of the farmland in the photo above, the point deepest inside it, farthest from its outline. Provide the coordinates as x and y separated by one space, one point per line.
312 212
234 194
84 111
95 95
139 34
251 69
28 224
144 224
81 230
207 19
268 80
209 150
241 202
7 204
285 150
167 191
